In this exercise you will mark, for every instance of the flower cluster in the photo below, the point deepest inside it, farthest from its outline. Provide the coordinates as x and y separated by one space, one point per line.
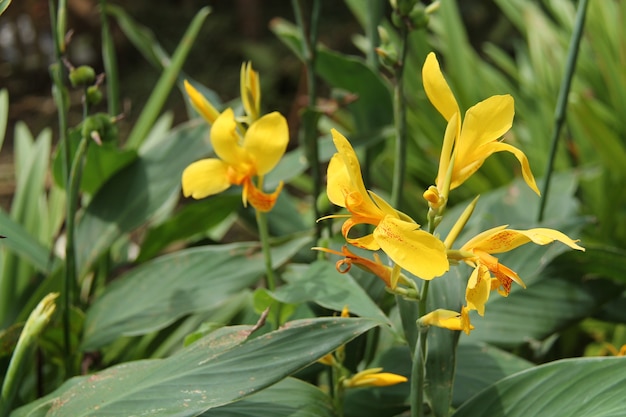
468 142
247 147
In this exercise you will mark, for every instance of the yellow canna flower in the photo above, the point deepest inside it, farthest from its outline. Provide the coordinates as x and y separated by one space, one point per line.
469 142
373 378
448 319
241 157
395 233
478 253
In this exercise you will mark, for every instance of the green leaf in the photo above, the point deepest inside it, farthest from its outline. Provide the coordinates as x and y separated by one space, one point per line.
480 365
3 5
159 292
570 387
4 100
190 221
134 194
217 370
289 398
322 284
25 245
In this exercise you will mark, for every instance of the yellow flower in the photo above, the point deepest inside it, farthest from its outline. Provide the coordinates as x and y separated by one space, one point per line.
478 253
469 142
395 233
448 319
373 378
241 157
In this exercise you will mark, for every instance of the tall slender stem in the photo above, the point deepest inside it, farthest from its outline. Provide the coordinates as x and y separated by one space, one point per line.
417 373
110 63
399 107
261 219
310 117
561 106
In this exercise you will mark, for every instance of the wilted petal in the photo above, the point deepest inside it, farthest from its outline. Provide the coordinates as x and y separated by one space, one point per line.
266 141
416 251
437 89
205 177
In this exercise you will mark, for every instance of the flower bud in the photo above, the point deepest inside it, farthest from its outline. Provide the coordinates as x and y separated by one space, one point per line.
82 76
93 95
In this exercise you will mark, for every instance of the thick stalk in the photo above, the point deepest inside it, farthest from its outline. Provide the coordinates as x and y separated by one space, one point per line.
310 117
561 106
399 108
110 63
417 374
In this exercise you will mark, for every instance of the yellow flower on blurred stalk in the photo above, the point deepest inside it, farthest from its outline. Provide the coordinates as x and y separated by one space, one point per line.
395 233
448 319
201 104
477 252
241 158
467 143
373 378
250 92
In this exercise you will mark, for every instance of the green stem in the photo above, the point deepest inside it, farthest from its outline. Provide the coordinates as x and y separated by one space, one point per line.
399 107
261 219
70 250
310 117
110 63
417 374
561 106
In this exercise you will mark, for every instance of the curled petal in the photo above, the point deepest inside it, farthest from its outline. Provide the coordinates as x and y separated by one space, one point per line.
437 89
478 289
266 141
543 236
201 104
205 177
366 242
416 251
261 201
500 239
521 157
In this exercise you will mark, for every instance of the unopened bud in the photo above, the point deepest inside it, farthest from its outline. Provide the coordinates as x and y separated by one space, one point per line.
82 76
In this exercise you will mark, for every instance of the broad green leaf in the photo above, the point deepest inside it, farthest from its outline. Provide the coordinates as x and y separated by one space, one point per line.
159 292
289 398
192 220
479 365
570 387
134 194
210 373
322 284
25 245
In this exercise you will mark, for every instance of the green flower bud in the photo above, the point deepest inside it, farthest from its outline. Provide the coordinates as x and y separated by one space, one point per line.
94 95
419 17
100 127
82 76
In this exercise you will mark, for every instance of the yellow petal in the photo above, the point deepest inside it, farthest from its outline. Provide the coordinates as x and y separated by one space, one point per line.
543 236
350 160
261 201
445 159
416 251
478 289
374 378
266 141
385 208
201 104
486 122
521 157
477 240
250 91
205 177
338 183
437 89
366 242
226 142
448 319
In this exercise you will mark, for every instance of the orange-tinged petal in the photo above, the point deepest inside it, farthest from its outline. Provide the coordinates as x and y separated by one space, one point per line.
416 251
437 89
503 273
366 242
226 142
205 177
201 104
261 201
500 239
481 237
266 141
478 289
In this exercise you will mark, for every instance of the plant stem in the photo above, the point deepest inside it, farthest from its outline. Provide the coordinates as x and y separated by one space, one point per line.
561 106
261 219
417 373
399 105
310 117
110 63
